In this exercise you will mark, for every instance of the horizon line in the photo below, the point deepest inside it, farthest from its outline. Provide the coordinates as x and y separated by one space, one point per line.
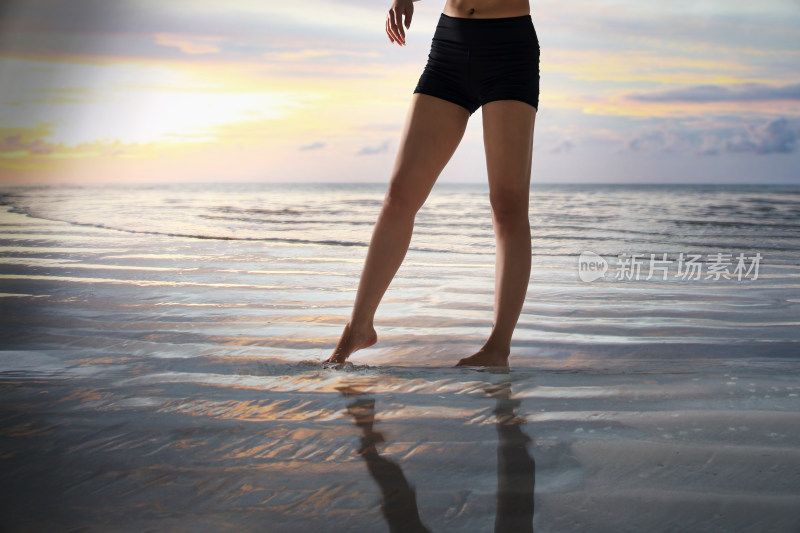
385 183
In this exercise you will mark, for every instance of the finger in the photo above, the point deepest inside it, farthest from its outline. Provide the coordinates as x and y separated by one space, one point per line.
396 28
409 13
392 33
398 19
388 30
389 27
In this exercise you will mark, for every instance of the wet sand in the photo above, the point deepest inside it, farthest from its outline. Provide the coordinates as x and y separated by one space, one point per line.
257 446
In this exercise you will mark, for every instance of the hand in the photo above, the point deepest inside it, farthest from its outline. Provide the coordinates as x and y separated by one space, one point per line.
394 24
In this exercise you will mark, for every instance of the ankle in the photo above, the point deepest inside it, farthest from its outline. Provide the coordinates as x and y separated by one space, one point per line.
498 348
360 326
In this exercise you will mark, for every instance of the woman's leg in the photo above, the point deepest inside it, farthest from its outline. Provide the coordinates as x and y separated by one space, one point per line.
508 142
432 131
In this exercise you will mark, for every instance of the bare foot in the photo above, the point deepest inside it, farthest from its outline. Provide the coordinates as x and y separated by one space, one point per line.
350 341
486 357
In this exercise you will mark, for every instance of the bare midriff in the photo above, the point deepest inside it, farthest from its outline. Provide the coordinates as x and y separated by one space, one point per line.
486 9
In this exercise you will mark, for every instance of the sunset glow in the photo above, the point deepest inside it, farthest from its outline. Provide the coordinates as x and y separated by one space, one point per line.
268 91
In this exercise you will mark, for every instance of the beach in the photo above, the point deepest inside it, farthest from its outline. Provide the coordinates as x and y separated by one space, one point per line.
162 348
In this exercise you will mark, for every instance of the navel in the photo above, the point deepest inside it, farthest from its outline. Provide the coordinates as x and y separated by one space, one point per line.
471 11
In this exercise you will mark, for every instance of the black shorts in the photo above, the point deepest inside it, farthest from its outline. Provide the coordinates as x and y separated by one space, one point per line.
474 61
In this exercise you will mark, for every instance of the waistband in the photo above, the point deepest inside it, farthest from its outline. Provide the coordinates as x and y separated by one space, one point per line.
486 21
485 30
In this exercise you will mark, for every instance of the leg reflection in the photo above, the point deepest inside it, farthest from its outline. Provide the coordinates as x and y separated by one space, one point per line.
399 503
516 469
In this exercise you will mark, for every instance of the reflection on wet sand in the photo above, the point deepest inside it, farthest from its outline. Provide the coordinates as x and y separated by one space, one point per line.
399 502
516 468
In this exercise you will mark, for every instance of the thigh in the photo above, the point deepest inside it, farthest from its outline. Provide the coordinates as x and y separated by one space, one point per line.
432 131
508 143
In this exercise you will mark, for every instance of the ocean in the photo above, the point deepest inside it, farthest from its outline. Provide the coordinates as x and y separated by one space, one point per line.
161 348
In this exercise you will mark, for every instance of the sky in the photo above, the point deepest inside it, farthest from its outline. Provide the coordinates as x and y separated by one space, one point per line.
95 91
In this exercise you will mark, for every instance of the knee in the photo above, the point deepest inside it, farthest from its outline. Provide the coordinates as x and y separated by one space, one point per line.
401 200
509 206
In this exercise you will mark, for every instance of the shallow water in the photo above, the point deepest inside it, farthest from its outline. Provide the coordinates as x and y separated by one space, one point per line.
161 348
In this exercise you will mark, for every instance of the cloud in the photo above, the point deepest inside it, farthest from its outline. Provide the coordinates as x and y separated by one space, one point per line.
17 143
776 137
779 136
31 142
187 44
148 28
313 146
321 55
744 92
661 140
564 146
370 150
